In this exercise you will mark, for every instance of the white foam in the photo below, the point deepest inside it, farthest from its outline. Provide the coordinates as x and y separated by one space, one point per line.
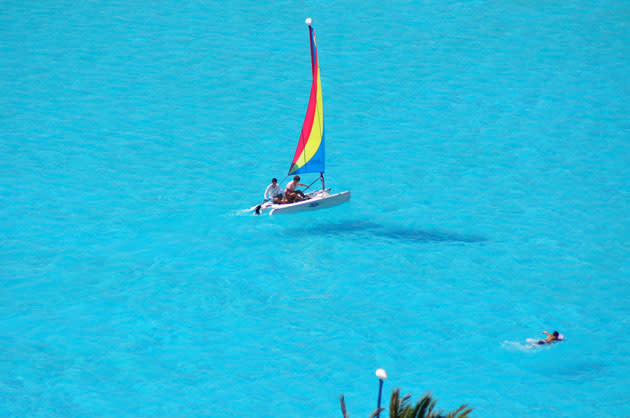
515 345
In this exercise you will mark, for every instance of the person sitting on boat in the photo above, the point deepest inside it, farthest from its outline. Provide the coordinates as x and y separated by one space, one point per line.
273 191
290 191
551 338
281 200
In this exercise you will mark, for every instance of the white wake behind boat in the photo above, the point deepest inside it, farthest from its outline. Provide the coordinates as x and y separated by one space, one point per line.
310 153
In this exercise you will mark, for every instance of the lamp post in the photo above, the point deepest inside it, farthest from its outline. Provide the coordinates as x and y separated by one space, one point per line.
382 375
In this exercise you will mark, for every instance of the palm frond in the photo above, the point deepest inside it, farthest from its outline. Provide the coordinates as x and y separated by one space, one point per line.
376 412
404 405
461 412
394 403
430 410
422 406
343 407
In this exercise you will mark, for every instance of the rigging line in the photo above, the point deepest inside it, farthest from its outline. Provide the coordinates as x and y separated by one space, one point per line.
311 183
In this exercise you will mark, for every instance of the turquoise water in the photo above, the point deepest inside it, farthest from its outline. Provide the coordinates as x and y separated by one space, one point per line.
486 148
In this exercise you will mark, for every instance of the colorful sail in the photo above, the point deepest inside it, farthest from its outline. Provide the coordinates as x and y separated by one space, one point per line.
309 155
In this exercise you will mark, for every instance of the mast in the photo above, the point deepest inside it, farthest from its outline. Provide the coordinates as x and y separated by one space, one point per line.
314 67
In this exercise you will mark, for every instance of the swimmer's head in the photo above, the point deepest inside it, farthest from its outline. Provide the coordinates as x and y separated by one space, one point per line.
556 333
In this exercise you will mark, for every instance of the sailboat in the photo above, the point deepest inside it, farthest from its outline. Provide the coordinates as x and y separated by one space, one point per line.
309 156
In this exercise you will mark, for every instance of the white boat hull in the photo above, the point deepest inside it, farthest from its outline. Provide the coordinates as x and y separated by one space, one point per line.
320 199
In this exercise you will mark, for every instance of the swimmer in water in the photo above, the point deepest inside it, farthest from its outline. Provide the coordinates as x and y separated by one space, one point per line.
551 338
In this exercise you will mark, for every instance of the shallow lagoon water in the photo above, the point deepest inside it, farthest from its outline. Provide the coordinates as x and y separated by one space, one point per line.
486 148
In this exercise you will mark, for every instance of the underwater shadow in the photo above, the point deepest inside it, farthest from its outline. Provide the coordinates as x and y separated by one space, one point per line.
359 228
